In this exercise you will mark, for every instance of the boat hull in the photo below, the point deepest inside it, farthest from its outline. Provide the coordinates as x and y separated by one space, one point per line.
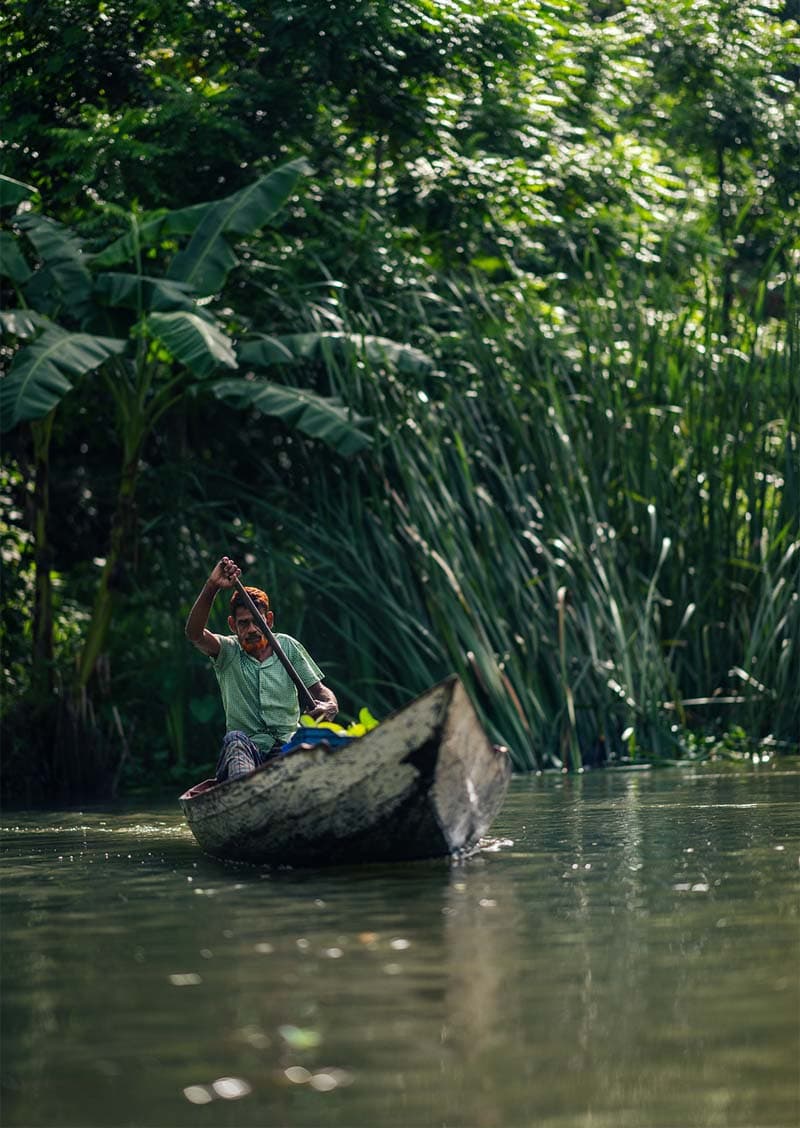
425 783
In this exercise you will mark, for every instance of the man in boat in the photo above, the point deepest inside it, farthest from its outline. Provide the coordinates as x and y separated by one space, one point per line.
261 705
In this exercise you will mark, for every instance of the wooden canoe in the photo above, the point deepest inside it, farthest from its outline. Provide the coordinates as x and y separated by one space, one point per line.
427 782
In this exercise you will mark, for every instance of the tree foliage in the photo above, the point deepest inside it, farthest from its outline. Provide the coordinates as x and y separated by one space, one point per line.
525 224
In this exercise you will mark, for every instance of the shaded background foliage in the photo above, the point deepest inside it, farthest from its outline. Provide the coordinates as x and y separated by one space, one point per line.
585 216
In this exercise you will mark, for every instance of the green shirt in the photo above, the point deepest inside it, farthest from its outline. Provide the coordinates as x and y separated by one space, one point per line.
260 698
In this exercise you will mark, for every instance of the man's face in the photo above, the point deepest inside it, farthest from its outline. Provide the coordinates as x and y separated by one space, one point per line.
250 637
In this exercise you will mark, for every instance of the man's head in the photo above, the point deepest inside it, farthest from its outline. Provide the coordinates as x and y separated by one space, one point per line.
241 619
259 597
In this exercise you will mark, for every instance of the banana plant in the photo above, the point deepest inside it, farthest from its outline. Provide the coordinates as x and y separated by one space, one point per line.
148 338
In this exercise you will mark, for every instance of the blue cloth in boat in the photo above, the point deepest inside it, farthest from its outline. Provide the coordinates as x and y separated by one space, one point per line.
309 735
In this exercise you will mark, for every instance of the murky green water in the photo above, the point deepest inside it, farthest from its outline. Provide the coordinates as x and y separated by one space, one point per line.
627 955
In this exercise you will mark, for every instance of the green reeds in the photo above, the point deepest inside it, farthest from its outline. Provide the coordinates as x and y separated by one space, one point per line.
583 512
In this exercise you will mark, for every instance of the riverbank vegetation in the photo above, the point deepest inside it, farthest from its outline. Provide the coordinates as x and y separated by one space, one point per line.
471 330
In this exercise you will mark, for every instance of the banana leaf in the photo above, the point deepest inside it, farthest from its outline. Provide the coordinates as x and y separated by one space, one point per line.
208 258
63 281
39 376
152 230
266 350
139 291
194 341
319 417
12 260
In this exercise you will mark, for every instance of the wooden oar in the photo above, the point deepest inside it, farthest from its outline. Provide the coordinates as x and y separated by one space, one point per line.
306 700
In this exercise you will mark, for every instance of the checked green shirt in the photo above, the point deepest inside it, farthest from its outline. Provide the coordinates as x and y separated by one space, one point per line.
260 698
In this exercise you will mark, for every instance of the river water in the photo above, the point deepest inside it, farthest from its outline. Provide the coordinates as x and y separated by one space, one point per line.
624 954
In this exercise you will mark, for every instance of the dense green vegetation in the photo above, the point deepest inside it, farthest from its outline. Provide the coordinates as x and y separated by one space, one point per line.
470 329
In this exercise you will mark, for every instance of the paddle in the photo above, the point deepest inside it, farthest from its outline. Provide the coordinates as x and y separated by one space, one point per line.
306 700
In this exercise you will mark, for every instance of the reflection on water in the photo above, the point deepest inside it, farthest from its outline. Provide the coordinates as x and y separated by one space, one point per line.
628 954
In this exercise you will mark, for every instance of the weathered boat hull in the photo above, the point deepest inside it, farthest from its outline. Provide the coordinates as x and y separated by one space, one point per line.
426 783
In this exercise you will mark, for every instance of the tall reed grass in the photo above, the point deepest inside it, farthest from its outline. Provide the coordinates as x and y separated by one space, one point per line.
591 513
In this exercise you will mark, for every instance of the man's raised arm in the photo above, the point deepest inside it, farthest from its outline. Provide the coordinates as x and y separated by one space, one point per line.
223 575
